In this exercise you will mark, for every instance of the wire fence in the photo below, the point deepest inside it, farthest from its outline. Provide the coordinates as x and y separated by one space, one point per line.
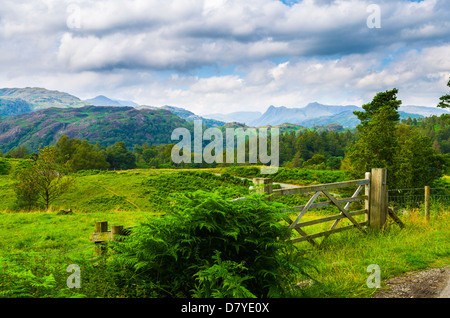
414 197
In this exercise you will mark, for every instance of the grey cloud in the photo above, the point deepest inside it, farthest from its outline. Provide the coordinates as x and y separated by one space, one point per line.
249 33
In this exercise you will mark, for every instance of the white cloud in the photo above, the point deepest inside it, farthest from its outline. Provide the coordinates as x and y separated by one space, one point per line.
173 52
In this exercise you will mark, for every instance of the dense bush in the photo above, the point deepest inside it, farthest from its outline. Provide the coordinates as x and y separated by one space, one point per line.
5 167
160 188
210 247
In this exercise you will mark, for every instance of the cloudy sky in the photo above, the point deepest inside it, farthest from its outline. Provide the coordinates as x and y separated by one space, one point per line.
220 56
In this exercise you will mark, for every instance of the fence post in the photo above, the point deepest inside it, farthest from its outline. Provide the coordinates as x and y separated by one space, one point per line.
264 185
115 231
367 193
101 228
378 198
427 203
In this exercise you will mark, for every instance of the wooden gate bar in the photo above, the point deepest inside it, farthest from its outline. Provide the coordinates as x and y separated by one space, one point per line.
320 187
316 235
330 218
328 203
347 206
344 211
306 208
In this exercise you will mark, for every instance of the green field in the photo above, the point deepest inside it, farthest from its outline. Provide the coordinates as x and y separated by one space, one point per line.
36 247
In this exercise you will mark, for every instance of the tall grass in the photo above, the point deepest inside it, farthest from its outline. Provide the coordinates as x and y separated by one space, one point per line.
343 259
36 247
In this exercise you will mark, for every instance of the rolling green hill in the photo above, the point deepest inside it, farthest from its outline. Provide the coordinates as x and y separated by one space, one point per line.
105 125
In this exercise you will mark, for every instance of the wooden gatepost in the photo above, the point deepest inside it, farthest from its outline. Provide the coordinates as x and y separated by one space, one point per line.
378 198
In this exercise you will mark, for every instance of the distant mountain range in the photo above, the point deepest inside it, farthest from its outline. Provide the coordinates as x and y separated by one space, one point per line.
242 117
317 114
16 101
37 116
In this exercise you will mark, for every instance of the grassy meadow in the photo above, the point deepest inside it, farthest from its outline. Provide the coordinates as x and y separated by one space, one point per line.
36 247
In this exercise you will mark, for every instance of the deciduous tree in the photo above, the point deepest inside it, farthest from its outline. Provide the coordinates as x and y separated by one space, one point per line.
44 180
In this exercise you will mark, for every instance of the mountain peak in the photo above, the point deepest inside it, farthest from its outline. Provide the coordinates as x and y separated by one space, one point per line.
40 98
102 100
280 115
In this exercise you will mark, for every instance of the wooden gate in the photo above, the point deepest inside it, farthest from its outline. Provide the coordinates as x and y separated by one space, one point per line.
374 197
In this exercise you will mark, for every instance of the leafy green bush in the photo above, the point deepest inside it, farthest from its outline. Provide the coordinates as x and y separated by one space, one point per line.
161 188
18 281
5 166
210 247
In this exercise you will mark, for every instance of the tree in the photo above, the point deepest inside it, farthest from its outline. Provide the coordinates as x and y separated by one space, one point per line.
445 100
377 144
149 154
25 189
19 152
317 162
334 163
44 180
417 163
408 156
384 100
120 158
88 157
66 147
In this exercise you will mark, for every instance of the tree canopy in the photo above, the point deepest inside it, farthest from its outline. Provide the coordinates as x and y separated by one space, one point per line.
445 100
408 155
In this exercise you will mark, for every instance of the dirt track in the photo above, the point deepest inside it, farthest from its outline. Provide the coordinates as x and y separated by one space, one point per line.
429 283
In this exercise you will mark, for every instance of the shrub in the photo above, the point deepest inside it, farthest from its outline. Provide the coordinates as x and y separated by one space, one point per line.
210 247
161 188
5 166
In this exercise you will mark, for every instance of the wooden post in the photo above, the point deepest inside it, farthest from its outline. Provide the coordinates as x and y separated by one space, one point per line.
115 231
427 203
100 228
378 198
264 185
367 193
